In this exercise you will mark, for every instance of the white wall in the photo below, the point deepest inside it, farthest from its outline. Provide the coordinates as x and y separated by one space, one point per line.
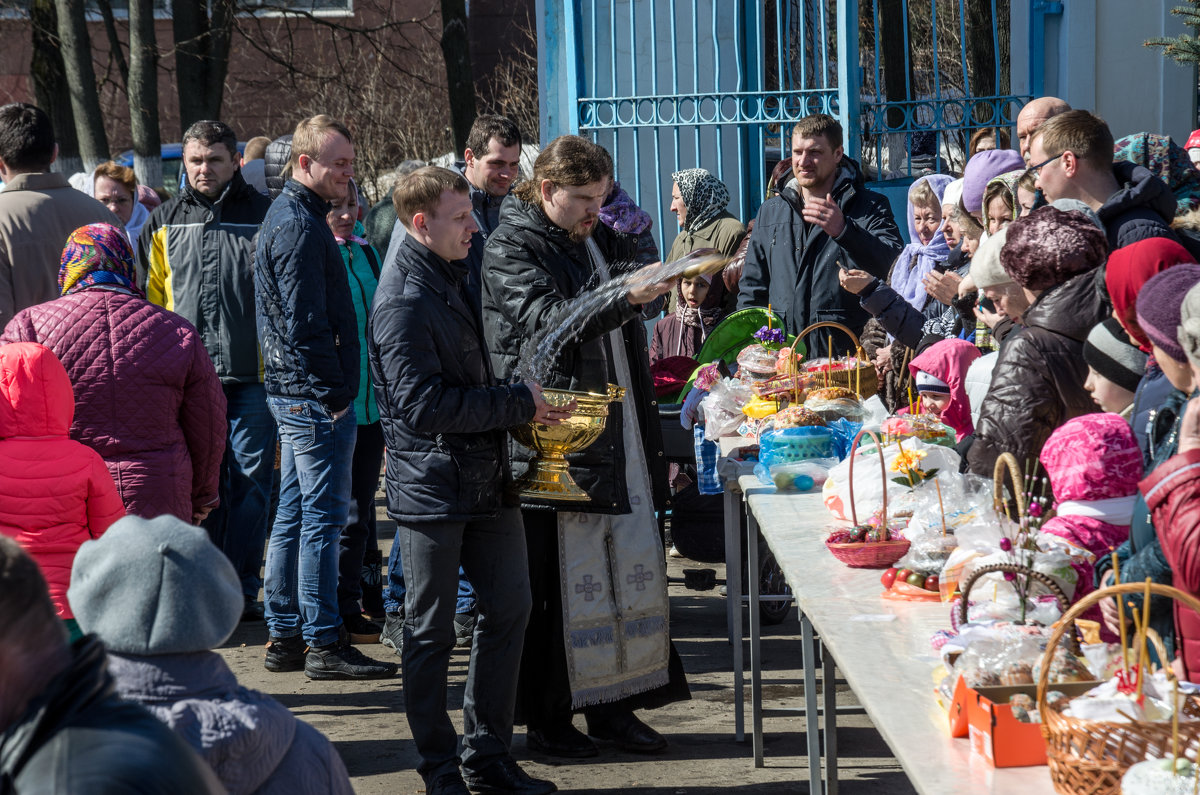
1096 60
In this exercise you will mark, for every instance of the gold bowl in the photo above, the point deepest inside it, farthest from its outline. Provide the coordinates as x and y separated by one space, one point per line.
548 478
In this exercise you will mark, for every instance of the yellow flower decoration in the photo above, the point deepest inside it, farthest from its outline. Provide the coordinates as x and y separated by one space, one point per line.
908 461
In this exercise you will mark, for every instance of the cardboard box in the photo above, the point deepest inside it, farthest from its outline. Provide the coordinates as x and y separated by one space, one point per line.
1000 738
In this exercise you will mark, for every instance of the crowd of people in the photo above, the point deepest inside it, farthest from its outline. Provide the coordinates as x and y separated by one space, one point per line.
198 396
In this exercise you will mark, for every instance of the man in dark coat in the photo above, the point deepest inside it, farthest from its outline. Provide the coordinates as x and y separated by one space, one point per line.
803 235
540 271
309 336
444 421
63 728
1072 154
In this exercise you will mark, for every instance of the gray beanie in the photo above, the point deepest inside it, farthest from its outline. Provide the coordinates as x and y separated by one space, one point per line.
986 270
1076 206
155 586
1189 326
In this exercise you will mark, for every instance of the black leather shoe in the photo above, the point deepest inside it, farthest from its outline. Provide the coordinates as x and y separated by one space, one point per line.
253 610
447 784
564 741
505 776
627 732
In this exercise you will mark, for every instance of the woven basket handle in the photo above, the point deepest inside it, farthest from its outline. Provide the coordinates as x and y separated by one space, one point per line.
1014 568
858 349
1083 604
1007 462
882 474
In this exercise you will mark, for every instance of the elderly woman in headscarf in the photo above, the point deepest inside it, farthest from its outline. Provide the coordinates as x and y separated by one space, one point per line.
147 398
698 200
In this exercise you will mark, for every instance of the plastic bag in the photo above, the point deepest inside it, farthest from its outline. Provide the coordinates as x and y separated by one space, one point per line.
757 362
868 487
918 426
837 408
722 407
787 445
795 475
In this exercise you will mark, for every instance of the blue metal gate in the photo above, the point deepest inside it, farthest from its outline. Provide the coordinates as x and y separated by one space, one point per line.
671 84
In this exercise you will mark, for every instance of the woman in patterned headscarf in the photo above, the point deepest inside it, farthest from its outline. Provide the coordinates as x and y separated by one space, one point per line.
699 199
147 398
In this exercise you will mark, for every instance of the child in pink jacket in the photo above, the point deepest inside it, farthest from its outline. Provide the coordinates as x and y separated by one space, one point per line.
1094 465
55 493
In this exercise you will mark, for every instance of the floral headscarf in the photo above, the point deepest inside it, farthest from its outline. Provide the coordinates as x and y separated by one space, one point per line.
1168 161
704 195
97 254
1009 180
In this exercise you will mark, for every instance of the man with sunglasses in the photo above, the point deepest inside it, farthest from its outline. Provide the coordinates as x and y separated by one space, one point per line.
1072 156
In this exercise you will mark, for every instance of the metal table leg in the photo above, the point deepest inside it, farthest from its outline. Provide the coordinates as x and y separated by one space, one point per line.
733 601
755 637
808 658
829 720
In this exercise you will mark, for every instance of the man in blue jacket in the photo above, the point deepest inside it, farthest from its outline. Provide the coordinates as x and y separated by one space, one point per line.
444 421
826 220
309 337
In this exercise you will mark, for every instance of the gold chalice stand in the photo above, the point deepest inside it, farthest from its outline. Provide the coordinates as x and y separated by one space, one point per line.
548 478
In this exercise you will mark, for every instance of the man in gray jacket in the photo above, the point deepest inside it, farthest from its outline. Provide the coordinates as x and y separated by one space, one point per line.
38 210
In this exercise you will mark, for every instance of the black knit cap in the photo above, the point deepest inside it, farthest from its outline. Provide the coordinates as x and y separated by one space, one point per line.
1108 351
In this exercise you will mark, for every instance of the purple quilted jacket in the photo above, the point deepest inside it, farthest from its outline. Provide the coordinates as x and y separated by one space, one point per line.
147 398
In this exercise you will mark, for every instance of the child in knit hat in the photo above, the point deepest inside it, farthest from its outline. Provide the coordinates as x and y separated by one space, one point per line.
161 597
1115 366
940 372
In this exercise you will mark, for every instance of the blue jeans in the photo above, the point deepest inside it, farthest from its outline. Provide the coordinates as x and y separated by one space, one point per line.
314 503
239 525
393 594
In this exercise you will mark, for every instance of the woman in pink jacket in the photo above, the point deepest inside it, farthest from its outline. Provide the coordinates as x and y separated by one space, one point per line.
147 398
55 493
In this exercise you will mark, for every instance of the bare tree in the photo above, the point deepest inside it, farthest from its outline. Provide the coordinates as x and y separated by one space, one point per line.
201 56
460 83
142 88
511 89
81 79
50 89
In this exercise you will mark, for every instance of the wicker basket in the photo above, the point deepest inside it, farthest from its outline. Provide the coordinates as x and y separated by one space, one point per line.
1089 757
1007 463
869 554
864 376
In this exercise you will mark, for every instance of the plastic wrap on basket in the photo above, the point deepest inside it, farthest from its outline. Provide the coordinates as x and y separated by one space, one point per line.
918 426
722 407
795 475
789 445
757 362
867 486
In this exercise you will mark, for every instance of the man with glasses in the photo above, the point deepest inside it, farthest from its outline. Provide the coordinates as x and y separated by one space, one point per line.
1072 156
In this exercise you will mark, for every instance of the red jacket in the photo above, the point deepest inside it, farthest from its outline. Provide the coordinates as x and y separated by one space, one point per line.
1172 493
147 398
55 493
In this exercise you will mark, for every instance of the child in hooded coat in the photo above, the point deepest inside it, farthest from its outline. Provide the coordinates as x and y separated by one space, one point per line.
939 373
1094 465
55 493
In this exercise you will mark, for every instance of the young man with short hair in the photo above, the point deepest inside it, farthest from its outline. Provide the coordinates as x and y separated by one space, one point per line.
309 336
1072 155
826 221
38 210
197 251
445 417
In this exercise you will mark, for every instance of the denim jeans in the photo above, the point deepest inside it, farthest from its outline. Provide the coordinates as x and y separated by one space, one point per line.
239 525
492 551
393 594
359 534
314 503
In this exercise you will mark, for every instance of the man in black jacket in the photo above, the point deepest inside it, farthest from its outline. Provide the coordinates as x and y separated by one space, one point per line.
803 235
197 254
63 728
541 269
444 420
309 337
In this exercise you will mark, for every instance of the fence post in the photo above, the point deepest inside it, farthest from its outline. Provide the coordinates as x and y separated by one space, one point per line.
558 68
848 75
